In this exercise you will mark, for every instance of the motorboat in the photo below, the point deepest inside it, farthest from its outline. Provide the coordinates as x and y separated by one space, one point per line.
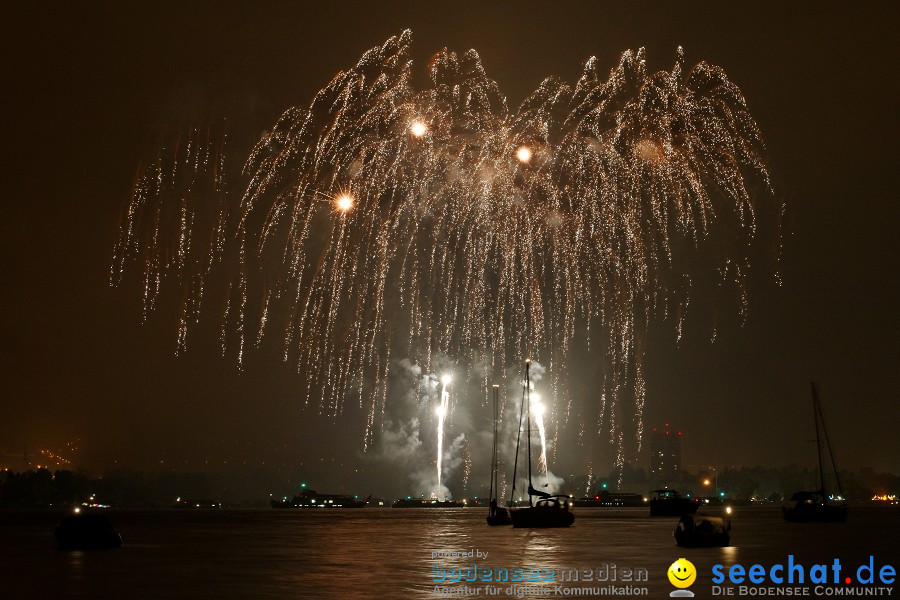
702 531
669 503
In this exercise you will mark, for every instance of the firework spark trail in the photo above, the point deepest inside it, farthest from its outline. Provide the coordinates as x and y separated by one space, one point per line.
538 412
590 210
442 410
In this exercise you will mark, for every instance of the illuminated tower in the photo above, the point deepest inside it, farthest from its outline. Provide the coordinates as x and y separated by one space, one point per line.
665 454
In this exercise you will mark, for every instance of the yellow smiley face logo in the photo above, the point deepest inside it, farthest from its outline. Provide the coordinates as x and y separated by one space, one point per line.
682 573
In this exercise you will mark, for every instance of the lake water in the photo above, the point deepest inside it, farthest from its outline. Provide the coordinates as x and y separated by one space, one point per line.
387 553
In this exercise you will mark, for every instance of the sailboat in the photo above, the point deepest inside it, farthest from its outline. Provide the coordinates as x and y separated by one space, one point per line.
551 510
818 505
497 515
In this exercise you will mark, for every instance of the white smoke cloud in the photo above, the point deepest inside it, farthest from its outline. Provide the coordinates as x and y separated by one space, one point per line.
407 449
409 439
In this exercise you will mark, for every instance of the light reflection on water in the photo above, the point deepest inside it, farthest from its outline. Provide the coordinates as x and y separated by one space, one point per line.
387 553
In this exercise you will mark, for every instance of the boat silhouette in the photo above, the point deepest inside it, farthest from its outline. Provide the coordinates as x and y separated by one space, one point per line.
551 510
702 531
669 503
309 498
818 506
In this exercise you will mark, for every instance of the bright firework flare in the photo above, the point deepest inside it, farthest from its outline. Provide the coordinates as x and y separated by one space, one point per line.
597 207
418 129
344 203
524 154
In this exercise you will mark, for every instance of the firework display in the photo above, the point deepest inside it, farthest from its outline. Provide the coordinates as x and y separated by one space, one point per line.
384 218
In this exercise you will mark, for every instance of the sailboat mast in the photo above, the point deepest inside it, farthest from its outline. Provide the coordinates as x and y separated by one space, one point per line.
837 478
512 493
816 417
528 405
494 465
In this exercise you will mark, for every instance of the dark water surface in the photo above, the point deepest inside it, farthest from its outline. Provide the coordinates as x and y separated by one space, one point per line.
387 553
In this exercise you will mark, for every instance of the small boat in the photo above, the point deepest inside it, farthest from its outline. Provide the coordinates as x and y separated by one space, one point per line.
551 510
497 515
188 503
423 502
815 507
86 531
818 506
606 498
669 503
702 531
308 498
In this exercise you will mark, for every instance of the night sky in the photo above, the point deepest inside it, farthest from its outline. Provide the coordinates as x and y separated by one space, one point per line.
92 89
